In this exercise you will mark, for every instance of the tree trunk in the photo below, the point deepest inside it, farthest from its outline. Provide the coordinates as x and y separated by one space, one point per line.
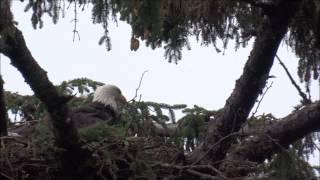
249 86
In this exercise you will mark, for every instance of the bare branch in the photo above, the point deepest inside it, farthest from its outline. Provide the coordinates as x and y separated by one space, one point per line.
202 175
259 102
75 21
196 170
139 86
302 94
213 146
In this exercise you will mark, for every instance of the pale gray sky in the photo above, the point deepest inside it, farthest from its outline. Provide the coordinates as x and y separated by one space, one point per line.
203 77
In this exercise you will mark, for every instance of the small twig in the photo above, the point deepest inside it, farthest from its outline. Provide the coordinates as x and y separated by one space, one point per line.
6 176
302 94
139 86
259 102
75 20
316 146
214 170
208 151
202 175
194 169
9 163
22 123
13 139
276 143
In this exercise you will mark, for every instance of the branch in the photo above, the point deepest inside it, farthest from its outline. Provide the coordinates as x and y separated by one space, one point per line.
139 86
66 134
258 105
202 171
75 21
251 83
302 94
3 111
275 137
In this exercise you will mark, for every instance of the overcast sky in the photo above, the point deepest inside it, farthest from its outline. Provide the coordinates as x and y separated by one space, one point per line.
202 77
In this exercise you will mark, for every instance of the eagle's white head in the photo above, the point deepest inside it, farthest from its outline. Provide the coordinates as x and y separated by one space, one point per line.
109 95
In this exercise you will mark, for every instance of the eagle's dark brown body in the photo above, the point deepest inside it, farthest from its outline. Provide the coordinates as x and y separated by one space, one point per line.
92 113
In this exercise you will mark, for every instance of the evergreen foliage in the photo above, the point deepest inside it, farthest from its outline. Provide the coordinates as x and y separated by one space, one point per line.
171 23
29 107
288 165
142 116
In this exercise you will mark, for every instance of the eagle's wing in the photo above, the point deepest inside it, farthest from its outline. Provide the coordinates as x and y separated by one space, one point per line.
92 113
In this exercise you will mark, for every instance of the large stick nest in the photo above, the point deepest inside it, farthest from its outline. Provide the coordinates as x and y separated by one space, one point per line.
35 155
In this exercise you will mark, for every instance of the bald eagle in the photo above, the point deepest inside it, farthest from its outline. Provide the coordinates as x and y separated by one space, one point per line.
105 106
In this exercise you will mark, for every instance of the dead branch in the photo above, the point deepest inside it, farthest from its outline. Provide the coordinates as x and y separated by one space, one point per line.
213 146
202 175
6 176
139 86
259 102
197 170
10 138
293 82
75 21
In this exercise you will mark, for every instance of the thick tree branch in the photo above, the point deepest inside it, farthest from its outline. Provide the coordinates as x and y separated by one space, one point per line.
5 19
250 84
65 132
3 111
275 137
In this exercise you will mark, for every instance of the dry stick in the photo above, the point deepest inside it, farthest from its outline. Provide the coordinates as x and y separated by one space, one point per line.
75 20
6 176
196 168
264 93
140 82
202 175
213 146
12 139
214 170
302 94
